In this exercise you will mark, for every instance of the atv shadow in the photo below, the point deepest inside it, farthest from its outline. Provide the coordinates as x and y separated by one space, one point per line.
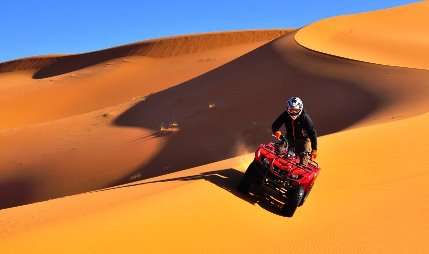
227 179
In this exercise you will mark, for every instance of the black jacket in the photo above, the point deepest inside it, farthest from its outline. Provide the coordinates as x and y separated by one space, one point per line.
301 128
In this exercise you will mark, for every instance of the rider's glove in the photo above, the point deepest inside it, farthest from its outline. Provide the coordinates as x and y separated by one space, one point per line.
314 154
291 151
278 134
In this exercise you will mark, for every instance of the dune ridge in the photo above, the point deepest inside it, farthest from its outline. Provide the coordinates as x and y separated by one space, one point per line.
159 48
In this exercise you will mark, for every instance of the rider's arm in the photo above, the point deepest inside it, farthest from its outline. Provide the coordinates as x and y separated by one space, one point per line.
278 123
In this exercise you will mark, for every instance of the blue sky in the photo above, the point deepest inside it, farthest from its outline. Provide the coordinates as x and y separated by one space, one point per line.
37 27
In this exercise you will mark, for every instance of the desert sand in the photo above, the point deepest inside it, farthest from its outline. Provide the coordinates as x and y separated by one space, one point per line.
139 148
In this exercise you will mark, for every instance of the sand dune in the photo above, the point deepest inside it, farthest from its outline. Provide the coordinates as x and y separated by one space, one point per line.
83 151
153 130
396 36
63 86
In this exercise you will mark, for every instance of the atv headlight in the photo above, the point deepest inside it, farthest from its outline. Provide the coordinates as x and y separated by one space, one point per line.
266 162
258 153
294 176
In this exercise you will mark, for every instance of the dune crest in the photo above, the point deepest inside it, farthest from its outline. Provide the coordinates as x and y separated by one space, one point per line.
396 36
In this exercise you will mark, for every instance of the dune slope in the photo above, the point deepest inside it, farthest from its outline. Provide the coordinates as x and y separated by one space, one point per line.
360 204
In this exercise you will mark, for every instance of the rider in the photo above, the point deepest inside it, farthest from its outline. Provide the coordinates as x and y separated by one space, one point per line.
300 132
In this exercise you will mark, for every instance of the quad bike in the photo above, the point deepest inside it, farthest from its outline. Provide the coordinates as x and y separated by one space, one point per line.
277 173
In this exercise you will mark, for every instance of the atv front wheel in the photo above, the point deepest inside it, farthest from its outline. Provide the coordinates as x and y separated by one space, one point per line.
294 197
305 196
251 177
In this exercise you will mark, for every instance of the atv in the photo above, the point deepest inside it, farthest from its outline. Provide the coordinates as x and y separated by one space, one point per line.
277 173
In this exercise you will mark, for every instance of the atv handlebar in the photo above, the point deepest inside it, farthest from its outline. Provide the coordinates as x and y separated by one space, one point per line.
282 137
283 140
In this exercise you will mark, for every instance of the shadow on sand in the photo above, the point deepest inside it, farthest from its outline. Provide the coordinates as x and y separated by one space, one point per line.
227 179
236 103
16 191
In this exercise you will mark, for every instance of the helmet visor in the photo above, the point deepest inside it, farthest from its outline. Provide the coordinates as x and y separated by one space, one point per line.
293 111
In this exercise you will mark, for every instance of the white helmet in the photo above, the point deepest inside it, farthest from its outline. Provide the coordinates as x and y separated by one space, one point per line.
294 107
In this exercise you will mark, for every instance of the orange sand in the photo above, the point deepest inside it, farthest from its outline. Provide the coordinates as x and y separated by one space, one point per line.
149 134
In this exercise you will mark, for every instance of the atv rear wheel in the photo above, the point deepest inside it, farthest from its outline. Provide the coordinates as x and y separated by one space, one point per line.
251 177
294 198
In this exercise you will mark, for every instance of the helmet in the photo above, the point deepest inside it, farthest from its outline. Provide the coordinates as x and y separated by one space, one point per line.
294 107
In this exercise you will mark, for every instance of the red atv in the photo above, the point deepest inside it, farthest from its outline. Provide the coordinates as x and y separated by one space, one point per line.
277 173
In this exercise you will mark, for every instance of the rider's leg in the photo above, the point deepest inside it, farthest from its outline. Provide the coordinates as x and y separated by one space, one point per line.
303 149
